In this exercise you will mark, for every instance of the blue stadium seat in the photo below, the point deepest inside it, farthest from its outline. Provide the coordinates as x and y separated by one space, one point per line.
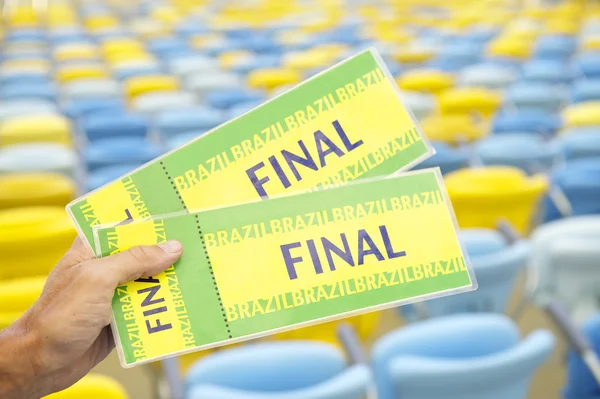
174 122
580 182
277 370
529 121
447 158
578 143
531 153
119 150
481 357
104 125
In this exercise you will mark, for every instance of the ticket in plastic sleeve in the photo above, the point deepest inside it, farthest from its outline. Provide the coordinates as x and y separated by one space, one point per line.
263 267
344 124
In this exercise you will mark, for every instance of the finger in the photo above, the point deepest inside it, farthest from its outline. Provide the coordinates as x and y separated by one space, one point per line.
144 260
79 252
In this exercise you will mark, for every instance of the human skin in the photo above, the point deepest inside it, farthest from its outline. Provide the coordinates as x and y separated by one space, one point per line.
66 332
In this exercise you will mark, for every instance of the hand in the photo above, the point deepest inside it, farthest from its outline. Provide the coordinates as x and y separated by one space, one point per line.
66 332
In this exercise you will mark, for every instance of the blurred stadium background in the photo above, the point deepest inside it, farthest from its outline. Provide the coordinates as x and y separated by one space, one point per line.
508 91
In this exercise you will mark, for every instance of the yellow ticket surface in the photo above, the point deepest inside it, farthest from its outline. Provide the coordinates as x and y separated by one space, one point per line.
269 266
344 124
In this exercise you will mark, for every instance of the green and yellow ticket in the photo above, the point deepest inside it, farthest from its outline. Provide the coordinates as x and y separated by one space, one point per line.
263 267
344 124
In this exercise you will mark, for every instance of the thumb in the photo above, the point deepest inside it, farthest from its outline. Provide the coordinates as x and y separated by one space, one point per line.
143 260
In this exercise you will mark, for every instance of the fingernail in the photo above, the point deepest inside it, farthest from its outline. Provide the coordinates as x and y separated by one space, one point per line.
171 246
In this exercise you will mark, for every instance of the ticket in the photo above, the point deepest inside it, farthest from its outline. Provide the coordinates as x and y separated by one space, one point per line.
344 124
268 266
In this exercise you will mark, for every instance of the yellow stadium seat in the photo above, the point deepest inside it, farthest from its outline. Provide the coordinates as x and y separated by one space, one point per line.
46 229
364 325
452 128
116 46
470 100
538 11
393 34
120 58
333 50
426 80
81 71
60 14
77 51
93 386
410 55
482 196
513 47
272 78
33 189
591 43
36 128
61 18
562 27
582 114
100 22
22 17
149 83
307 60
16 296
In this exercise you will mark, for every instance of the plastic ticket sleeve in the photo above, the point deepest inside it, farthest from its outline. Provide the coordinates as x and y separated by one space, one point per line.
268 266
343 124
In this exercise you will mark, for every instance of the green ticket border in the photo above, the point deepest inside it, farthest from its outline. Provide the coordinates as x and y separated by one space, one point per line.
452 291
159 166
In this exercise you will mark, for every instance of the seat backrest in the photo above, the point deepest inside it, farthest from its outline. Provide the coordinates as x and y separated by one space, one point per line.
585 229
269 367
576 277
503 375
464 353
350 384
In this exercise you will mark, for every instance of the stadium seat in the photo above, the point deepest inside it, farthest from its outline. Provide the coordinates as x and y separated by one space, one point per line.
31 189
91 88
103 125
447 158
47 228
536 96
470 100
582 114
526 121
178 121
530 153
93 386
564 258
282 370
155 102
452 128
579 180
490 76
38 157
16 296
119 150
580 143
495 192
481 356
48 128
